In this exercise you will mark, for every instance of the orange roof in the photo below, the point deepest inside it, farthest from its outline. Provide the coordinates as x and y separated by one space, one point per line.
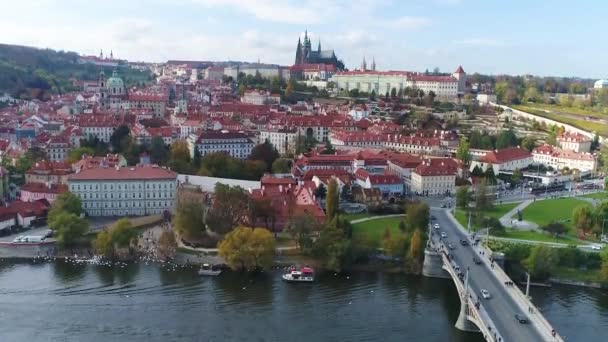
505 155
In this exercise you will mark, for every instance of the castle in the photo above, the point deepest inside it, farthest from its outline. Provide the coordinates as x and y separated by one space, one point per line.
306 55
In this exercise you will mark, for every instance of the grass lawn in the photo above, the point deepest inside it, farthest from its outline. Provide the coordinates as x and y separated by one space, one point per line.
597 127
374 229
497 211
352 217
547 211
569 110
538 236
576 274
598 195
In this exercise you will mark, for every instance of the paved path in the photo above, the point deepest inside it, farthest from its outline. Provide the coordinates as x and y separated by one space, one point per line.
508 221
375 218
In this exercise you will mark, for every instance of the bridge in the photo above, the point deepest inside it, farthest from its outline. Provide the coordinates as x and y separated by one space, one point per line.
494 318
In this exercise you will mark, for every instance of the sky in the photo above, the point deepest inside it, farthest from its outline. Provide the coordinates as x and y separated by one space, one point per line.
539 37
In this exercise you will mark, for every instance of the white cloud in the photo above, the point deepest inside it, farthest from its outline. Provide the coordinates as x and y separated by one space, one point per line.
406 23
479 42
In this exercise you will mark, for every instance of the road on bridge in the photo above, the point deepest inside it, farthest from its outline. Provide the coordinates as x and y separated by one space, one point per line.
500 307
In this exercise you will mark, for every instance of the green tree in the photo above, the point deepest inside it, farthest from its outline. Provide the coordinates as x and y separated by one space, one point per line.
332 247
329 148
231 207
247 249
517 176
281 165
263 210
483 200
394 92
159 152
76 154
301 228
506 139
179 157
555 228
417 217
604 266
68 228
463 197
582 218
529 142
188 219
118 136
65 203
463 152
541 262
395 245
264 152
331 202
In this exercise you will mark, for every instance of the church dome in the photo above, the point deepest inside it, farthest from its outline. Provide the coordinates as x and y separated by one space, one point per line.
115 85
601 84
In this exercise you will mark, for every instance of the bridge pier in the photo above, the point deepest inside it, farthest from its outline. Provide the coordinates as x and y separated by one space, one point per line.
463 323
432 266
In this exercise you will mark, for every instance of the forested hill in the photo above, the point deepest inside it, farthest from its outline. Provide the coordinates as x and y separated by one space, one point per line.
27 72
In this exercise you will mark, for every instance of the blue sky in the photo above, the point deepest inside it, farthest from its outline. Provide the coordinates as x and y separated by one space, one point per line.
559 38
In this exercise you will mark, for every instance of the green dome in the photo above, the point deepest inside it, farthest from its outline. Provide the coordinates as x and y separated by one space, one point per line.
115 81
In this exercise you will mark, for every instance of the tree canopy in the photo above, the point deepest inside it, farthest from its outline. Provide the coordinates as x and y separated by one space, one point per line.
247 249
231 208
69 228
331 200
265 152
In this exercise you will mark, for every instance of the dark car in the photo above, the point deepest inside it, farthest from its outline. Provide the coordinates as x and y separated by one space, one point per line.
521 319
464 242
433 218
450 246
476 261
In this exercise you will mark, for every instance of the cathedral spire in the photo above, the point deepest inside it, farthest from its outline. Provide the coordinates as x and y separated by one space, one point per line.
319 47
363 64
101 54
373 63
299 52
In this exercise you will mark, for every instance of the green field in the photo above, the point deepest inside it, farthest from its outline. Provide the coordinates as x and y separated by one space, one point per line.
597 195
568 110
352 217
531 235
497 211
590 126
547 211
374 229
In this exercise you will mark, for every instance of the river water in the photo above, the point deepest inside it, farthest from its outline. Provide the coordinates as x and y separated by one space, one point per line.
65 302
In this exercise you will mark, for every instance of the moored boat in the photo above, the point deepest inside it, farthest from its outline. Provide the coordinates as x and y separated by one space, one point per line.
209 270
305 274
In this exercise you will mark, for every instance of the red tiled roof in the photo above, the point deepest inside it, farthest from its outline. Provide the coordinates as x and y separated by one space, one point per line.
459 70
505 155
437 167
43 188
124 173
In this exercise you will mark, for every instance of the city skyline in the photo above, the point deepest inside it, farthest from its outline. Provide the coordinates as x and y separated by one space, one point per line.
409 35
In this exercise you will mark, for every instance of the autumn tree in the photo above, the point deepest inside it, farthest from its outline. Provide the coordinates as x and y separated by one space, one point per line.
167 245
331 201
265 152
179 157
582 218
463 152
247 249
118 237
188 219
414 254
417 217
230 208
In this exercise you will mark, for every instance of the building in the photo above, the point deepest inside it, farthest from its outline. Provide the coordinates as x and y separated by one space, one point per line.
235 144
382 82
434 177
313 72
507 159
305 54
283 139
124 191
486 98
260 97
214 73
389 185
35 191
600 84
559 159
58 148
574 142
48 172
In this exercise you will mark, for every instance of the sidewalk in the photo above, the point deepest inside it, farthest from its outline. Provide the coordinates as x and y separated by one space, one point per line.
375 218
507 219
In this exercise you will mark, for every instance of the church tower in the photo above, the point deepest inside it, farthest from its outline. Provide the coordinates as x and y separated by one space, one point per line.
319 47
461 76
373 64
363 64
101 83
299 53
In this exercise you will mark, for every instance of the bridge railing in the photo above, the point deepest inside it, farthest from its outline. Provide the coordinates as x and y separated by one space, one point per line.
482 319
524 303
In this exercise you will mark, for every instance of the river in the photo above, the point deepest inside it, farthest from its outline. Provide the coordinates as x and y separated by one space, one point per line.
65 302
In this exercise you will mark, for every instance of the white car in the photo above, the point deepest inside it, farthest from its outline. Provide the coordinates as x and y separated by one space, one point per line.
436 226
19 238
596 247
485 294
443 235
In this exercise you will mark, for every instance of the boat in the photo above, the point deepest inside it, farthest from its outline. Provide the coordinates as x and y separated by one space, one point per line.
305 274
208 270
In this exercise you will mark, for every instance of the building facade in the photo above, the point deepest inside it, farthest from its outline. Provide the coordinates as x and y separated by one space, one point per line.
236 144
284 140
125 191
434 177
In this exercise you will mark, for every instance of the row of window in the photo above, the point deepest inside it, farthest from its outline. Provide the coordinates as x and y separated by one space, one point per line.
134 186
86 196
152 204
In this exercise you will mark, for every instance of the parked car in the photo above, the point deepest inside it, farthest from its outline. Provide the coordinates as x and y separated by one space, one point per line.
433 217
521 318
48 233
443 205
443 235
18 238
485 294
596 247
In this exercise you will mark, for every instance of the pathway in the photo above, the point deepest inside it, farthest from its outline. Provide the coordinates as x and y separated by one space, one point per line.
508 221
375 218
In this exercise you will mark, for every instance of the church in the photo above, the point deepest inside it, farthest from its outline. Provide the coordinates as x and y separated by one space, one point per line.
306 55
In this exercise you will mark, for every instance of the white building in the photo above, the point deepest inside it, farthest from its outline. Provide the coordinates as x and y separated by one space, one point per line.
382 82
507 159
124 191
236 144
559 159
58 149
359 113
284 140
486 98
260 97
600 84
214 73
434 177
574 142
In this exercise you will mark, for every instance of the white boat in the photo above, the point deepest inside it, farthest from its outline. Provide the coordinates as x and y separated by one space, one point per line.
305 274
208 270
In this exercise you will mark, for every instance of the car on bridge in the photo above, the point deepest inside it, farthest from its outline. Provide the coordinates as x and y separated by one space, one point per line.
521 318
485 294
464 242
443 235
452 247
476 261
436 226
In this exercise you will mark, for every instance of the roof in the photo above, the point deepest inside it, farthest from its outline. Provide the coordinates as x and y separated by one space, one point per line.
505 155
459 70
44 188
437 167
124 173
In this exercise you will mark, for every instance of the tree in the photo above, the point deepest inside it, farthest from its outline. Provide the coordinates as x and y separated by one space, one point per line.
555 228
68 228
230 208
65 203
331 202
264 152
332 247
506 139
604 266
281 165
301 227
483 200
167 245
541 262
188 219
290 88
159 153
463 152
517 176
77 153
179 158
329 149
529 142
582 218
417 217
393 92
247 249
262 209
394 245
118 136
414 254
463 197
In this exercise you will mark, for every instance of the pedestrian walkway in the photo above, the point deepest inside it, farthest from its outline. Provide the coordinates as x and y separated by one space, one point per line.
375 218
509 221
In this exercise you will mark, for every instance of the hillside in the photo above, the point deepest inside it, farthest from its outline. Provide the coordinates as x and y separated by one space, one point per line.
27 72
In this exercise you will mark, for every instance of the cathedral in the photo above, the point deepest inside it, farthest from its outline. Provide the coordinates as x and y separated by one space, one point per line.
306 55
